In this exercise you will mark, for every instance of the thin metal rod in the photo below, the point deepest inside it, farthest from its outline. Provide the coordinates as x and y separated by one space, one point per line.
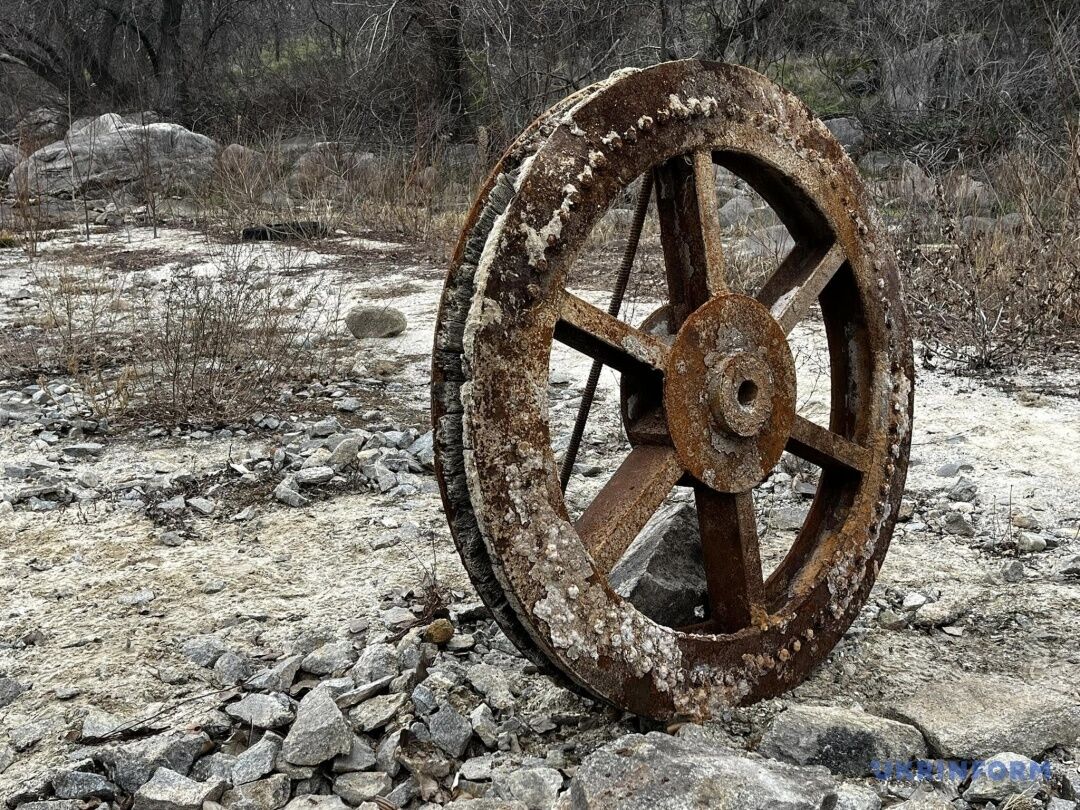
614 305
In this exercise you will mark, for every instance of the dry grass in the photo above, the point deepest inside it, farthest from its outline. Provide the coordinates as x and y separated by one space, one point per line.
207 346
985 296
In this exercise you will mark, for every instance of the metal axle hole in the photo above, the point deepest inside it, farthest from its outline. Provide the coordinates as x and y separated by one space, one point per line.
748 391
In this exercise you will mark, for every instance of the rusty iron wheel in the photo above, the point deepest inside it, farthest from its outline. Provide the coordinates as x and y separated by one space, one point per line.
708 390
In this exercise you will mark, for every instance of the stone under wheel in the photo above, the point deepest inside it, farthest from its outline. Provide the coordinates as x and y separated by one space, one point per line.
708 397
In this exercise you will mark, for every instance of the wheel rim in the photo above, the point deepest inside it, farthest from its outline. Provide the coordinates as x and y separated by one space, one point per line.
762 636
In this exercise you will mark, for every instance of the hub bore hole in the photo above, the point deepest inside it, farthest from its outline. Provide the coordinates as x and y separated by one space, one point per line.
748 391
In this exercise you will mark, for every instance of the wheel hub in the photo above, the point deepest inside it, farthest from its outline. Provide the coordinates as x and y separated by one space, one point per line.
729 393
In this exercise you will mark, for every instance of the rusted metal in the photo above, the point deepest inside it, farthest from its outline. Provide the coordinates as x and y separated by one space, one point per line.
708 390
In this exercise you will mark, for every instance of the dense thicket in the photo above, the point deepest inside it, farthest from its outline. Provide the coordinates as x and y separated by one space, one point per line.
948 75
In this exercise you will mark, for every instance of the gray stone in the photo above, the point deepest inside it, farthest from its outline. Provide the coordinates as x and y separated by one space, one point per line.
375 713
376 661
963 490
1029 543
84 450
353 697
218 765
131 764
484 725
319 732
843 740
9 159
286 492
848 131
264 794
204 506
375 322
54 804
344 455
262 711
7 755
10 689
925 799
856 797
787 518
450 731
173 507
279 677
115 156
361 757
536 788
317 803
257 761
660 772
966 718
361 787
204 650
232 668
959 524
313 476
337 656
386 753
1013 571
169 790
82 785
1003 775
492 683
662 573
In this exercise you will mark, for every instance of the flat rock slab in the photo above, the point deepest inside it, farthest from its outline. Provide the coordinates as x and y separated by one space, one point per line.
660 772
845 741
979 715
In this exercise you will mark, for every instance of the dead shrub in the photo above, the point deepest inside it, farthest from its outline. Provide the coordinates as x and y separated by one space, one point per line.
984 291
210 345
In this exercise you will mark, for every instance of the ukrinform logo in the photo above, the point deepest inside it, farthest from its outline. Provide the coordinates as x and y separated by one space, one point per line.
959 770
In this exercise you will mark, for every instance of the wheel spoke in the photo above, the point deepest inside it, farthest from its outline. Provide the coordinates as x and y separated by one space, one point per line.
824 447
622 508
795 286
690 232
604 337
729 547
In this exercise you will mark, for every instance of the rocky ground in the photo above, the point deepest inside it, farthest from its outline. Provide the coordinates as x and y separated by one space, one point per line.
272 613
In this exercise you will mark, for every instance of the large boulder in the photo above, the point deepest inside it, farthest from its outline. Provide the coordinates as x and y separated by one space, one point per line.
241 165
331 166
40 126
659 772
662 572
848 131
110 153
9 159
110 121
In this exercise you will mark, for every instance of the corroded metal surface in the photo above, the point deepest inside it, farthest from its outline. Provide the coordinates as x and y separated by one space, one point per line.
544 576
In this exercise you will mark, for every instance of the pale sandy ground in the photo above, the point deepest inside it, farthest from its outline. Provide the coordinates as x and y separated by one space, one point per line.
293 570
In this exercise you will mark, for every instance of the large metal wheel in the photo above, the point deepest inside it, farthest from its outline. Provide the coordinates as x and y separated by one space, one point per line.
709 405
